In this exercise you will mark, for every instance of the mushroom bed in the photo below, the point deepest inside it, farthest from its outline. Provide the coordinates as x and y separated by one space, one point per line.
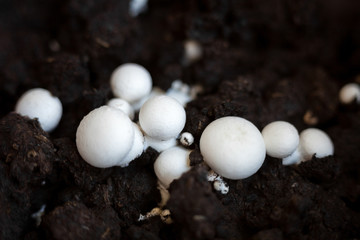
263 61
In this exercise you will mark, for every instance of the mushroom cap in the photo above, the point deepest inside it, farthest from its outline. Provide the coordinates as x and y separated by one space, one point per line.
131 82
171 164
281 139
122 105
186 139
315 141
233 147
162 117
104 137
349 92
39 103
193 51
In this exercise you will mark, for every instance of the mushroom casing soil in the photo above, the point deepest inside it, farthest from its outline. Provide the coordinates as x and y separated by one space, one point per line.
262 60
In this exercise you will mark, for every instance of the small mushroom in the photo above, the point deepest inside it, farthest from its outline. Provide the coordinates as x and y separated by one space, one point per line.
233 147
186 139
136 7
131 82
349 93
162 118
316 142
122 105
281 139
171 164
193 51
39 103
312 142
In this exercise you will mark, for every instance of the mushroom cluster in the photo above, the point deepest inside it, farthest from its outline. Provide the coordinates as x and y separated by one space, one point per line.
312 142
39 103
283 141
232 147
107 137
235 149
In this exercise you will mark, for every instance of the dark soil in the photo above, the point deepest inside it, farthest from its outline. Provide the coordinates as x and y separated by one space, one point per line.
262 60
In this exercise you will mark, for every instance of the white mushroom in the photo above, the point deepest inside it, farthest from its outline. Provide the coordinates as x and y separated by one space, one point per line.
193 51
186 139
315 141
131 82
349 93
39 103
281 139
104 137
233 147
122 105
171 164
136 7
162 118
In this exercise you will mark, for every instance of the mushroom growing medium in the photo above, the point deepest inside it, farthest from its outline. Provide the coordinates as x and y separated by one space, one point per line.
104 137
171 164
131 82
233 147
162 118
39 103
281 139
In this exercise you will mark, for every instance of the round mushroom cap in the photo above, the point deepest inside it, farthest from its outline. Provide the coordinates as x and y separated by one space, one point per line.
131 82
122 105
186 139
104 137
162 117
349 93
171 164
193 51
315 141
39 103
281 139
233 147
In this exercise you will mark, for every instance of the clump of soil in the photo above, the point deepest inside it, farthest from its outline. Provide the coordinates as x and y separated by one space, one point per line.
262 60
